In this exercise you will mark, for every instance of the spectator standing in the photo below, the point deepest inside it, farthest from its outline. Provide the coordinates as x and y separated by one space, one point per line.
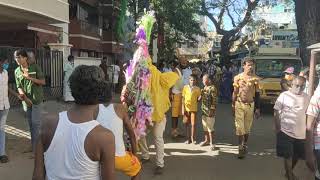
29 81
290 125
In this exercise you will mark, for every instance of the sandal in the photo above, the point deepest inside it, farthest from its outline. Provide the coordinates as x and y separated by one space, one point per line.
204 143
213 147
4 159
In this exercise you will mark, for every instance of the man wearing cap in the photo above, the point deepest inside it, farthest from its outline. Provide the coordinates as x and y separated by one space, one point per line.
286 81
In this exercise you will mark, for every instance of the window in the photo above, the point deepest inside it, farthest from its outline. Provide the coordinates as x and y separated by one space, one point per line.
88 14
269 68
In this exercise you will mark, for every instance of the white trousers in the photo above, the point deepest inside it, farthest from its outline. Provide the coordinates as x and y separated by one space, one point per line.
157 131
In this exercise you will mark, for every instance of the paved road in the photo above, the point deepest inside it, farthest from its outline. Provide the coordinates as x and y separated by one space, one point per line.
183 162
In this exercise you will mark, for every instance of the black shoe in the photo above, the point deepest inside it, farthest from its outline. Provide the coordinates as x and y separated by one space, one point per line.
241 154
158 170
144 161
4 159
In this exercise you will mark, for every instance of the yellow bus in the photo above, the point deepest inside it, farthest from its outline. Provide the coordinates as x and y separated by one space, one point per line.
270 64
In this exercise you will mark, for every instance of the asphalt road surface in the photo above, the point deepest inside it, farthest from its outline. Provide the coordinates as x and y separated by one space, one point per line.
182 161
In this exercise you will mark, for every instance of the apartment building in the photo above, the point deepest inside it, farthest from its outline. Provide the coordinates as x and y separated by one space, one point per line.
91 30
32 23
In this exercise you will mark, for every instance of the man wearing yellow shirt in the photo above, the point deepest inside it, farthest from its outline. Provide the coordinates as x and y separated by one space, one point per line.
160 85
191 94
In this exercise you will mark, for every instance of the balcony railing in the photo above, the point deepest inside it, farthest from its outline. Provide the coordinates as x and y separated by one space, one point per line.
90 28
83 27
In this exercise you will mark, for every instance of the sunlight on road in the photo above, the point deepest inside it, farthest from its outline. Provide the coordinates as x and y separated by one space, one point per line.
17 132
181 149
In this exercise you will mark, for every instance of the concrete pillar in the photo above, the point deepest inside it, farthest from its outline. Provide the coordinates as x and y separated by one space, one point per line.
63 44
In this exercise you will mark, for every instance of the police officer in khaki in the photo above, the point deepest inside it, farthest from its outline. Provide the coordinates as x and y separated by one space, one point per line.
245 103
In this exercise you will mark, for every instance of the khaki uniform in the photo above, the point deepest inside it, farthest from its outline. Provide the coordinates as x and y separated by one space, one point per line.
244 111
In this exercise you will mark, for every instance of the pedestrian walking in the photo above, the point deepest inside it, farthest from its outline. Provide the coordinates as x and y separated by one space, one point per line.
191 94
176 101
245 103
225 86
286 81
104 67
4 106
114 117
208 109
67 71
29 81
290 125
312 150
72 144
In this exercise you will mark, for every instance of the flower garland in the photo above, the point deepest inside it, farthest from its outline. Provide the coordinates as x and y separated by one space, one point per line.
138 79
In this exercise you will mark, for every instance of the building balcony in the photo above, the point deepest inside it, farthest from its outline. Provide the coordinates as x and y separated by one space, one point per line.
83 35
91 2
109 7
84 28
110 44
42 11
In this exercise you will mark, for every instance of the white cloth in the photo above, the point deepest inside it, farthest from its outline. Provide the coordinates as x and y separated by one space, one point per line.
113 72
66 157
306 89
292 110
166 69
108 118
177 88
186 75
157 131
67 69
4 99
314 110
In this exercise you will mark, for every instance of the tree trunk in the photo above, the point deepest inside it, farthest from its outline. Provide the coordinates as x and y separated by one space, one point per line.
225 50
160 39
308 23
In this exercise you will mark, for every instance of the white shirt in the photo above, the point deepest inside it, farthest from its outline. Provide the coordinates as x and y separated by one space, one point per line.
166 69
67 69
66 157
115 73
109 119
292 110
177 88
4 99
314 110
186 75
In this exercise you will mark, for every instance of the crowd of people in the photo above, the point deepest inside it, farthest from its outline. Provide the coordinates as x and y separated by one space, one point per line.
87 141
221 75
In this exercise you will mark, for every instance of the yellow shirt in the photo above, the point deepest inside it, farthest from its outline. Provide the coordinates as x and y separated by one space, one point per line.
160 86
191 97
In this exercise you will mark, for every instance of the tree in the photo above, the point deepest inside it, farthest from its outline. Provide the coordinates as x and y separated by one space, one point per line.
177 21
308 23
307 20
238 12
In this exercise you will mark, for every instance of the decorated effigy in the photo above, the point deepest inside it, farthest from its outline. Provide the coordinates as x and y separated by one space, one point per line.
137 94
